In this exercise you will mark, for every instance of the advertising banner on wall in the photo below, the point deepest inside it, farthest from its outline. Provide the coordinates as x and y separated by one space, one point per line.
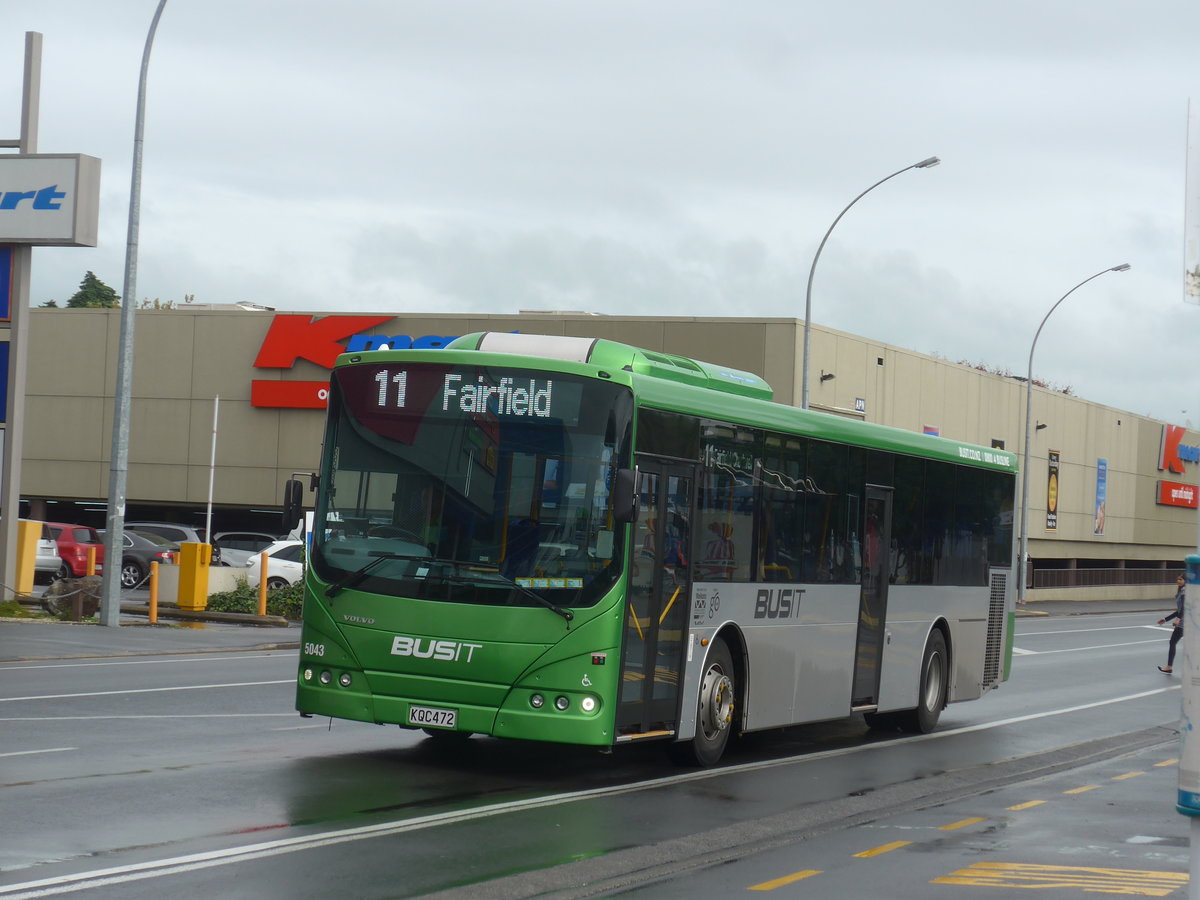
1052 491
1174 493
1101 494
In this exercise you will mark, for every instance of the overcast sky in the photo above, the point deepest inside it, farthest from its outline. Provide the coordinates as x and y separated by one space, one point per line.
674 158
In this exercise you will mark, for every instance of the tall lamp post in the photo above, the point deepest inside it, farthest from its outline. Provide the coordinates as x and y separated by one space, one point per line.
1024 549
114 539
923 164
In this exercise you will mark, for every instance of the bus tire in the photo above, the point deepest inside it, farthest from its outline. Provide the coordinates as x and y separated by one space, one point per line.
714 712
931 688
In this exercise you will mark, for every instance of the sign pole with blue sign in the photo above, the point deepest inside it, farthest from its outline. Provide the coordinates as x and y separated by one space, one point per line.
14 297
48 199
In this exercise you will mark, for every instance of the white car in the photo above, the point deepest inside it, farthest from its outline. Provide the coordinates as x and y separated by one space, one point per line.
285 565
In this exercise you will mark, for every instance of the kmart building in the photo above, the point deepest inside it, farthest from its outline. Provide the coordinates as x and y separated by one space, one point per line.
1112 494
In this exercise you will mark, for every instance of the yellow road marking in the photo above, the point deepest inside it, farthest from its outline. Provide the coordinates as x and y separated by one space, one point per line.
1028 805
1091 880
1127 776
1166 762
1082 790
878 851
962 824
785 880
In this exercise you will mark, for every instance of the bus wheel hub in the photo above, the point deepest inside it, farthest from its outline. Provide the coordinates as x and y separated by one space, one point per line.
716 706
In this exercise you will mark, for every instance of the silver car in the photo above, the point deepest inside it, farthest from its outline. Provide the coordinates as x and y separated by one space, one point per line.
48 562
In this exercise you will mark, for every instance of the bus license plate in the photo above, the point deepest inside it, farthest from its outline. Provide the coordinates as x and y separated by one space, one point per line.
428 717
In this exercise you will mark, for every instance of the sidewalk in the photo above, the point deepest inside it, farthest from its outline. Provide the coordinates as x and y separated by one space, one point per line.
41 639
1154 609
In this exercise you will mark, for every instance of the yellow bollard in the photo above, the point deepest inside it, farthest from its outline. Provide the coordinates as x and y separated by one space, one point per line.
262 584
91 562
194 559
28 534
153 593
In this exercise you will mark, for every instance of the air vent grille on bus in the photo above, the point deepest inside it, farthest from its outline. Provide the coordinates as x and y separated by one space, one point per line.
995 633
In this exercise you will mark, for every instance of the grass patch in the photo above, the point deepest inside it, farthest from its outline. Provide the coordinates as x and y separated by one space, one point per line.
14 609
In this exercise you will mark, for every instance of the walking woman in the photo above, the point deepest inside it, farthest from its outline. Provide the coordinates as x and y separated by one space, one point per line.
1177 628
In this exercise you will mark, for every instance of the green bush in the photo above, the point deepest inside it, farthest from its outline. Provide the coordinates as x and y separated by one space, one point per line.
285 602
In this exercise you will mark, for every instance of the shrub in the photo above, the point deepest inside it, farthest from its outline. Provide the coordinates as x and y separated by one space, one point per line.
285 602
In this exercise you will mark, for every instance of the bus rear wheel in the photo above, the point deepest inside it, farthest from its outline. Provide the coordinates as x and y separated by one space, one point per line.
931 689
714 712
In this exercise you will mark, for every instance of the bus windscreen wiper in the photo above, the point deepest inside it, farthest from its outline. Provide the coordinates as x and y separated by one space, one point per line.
504 579
352 578
534 595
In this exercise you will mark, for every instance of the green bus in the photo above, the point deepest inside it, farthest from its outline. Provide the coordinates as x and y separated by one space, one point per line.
566 539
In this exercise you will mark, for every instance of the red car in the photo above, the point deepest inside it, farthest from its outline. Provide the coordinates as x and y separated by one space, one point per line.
73 544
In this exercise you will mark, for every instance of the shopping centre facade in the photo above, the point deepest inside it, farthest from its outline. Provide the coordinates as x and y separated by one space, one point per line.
1112 495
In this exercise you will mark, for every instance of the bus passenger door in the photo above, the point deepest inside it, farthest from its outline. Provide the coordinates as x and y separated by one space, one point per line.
657 604
872 604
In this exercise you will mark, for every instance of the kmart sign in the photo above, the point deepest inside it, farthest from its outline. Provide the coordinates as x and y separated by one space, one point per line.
49 199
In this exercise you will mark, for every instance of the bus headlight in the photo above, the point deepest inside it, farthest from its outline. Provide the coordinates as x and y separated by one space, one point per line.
344 679
326 677
588 704
561 703
537 701
308 674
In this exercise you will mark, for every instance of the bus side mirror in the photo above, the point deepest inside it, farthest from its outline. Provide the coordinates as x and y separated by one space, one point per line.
625 496
293 504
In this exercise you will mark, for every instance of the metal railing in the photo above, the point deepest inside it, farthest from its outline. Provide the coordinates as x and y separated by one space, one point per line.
1068 578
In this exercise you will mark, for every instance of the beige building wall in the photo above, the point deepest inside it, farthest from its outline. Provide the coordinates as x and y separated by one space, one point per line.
186 358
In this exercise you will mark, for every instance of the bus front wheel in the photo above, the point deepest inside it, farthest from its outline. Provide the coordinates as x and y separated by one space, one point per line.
714 712
931 696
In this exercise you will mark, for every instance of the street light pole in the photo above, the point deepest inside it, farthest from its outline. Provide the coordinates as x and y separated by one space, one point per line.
114 537
1022 560
923 164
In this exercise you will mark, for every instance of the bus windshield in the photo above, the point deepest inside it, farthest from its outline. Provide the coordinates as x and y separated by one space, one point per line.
471 484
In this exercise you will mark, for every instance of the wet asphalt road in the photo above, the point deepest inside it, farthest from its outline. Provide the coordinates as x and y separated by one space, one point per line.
148 774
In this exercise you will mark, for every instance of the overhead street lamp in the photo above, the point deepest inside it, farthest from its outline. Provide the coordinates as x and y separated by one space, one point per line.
1024 548
923 164
110 590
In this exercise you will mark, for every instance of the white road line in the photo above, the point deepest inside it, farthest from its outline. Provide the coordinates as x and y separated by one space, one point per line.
1024 634
1024 652
115 875
36 752
191 687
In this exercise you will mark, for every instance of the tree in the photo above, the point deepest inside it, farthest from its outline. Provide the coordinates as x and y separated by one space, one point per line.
94 294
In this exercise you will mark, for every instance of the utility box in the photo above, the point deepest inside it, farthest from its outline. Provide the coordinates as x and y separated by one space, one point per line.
28 535
194 560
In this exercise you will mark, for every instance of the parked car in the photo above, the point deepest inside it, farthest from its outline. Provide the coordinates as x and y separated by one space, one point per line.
238 546
285 565
73 543
47 562
139 551
180 534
